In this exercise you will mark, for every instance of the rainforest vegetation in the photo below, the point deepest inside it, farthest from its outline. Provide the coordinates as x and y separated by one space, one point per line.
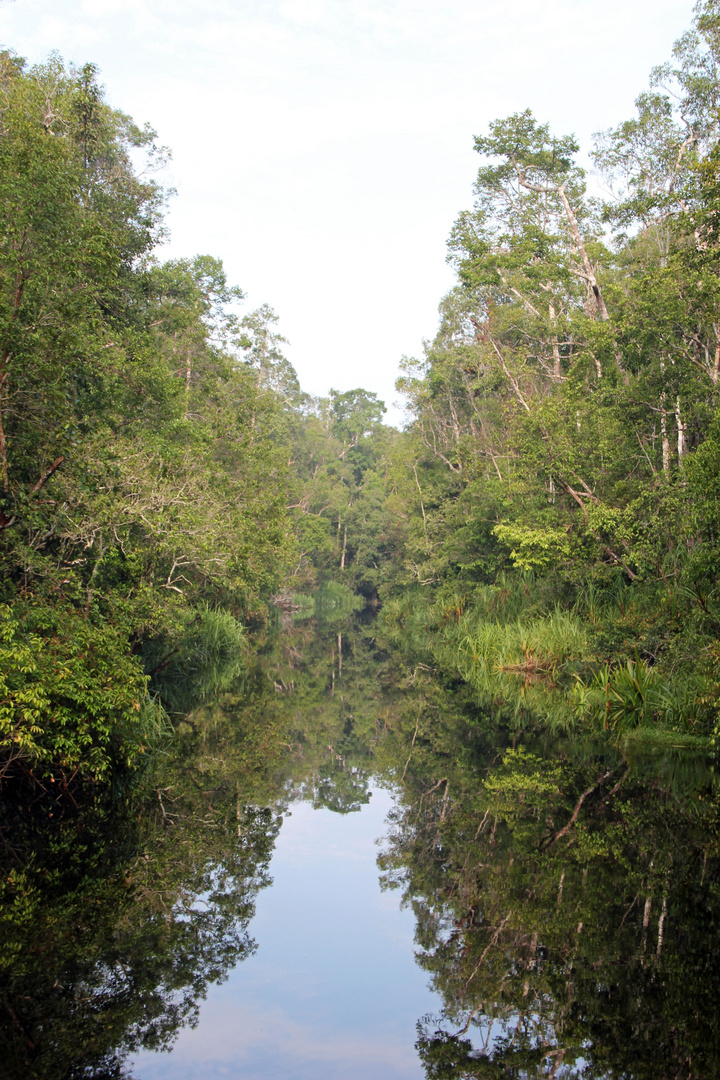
164 479
185 534
546 527
564 454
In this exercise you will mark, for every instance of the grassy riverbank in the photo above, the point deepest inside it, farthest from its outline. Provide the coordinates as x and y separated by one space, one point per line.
564 669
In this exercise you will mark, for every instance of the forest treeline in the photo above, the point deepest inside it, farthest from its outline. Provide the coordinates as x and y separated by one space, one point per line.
546 527
564 455
164 479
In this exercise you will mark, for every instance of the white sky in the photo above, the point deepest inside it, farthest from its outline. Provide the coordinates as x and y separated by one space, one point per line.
323 148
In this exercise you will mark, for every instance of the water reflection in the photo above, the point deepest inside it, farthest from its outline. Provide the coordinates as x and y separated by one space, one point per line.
564 897
117 916
566 902
333 989
102 954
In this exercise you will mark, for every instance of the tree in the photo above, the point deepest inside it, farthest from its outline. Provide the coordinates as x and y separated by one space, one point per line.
140 465
559 409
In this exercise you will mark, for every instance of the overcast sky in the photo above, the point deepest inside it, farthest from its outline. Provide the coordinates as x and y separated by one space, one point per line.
323 148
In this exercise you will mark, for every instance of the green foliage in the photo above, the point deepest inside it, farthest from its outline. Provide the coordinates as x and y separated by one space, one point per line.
338 492
197 665
143 430
564 416
533 549
74 703
334 601
634 696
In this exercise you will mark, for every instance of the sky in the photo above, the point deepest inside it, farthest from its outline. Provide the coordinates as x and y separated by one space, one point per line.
323 148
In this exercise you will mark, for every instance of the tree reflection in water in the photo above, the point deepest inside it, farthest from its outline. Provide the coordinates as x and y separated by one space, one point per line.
566 898
118 914
111 938
566 903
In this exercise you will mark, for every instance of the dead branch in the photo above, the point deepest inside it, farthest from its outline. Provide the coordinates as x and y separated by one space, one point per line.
578 805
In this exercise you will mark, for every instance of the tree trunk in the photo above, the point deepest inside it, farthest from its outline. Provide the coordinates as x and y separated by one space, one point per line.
422 506
661 925
555 346
680 431
592 280
3 442
665 439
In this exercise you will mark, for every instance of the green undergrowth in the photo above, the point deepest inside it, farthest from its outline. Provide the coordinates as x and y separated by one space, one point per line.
333 600
567 665
204 658
74 704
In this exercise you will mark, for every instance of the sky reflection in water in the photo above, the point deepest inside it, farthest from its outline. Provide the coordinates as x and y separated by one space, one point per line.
333 989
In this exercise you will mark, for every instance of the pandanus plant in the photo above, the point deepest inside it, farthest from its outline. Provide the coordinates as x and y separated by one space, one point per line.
623 698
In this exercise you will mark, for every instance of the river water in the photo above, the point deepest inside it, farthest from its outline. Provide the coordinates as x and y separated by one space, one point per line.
333 989
342 868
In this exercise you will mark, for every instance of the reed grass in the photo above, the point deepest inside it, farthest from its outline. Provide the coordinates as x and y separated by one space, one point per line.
529 661
202 662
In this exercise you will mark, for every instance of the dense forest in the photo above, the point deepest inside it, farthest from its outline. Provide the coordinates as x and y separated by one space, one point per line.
165 481
545 528
565 448
534 564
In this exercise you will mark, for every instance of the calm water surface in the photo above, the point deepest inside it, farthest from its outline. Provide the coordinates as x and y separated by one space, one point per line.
333 989
226 917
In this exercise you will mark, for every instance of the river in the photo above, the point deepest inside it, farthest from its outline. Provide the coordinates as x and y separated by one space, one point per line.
343 869
333 989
